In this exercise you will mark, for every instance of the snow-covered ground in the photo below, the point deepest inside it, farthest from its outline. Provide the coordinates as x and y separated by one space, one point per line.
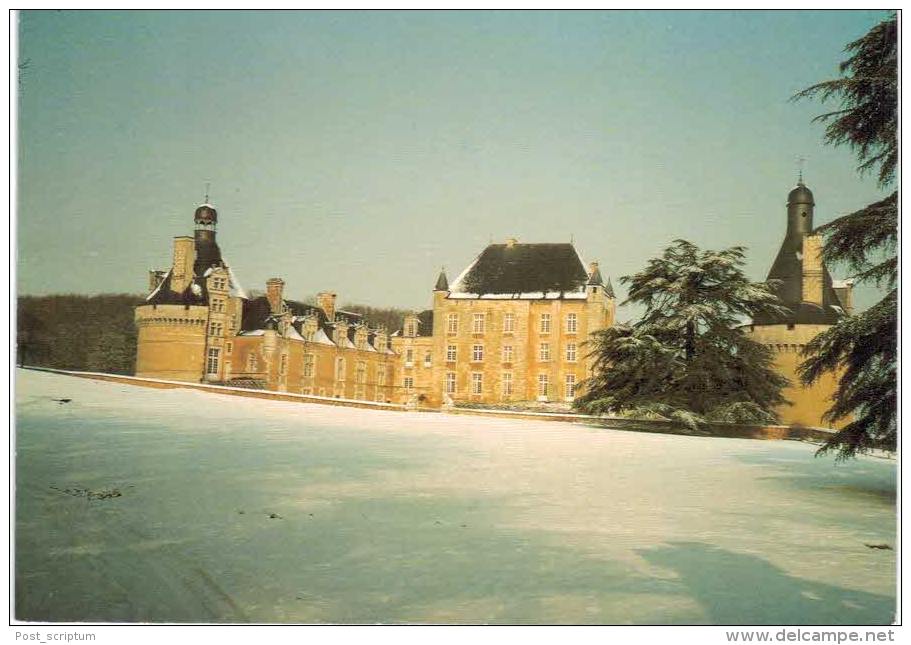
237 510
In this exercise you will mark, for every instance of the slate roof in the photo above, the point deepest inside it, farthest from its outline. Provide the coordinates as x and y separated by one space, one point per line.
523 270
195 293
786 277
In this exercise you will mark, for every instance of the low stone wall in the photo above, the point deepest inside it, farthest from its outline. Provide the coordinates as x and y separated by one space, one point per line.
735 431
224 389
729 430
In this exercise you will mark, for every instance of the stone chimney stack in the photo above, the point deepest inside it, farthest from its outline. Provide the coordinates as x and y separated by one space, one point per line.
274 288
182 266
592 267
325 300
812 283
511 242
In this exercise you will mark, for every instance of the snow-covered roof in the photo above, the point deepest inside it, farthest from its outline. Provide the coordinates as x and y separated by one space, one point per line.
158 288
321 338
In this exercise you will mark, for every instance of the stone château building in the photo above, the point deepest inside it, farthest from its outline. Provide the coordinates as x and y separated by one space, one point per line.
511 328
814 302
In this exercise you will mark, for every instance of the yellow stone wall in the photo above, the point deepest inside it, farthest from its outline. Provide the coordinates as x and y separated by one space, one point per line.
808 403
527 363
171 341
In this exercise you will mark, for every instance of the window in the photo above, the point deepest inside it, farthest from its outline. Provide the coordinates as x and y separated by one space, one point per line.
507 353
219 284
451 353
452 324
380 377
408 382
212 361
361 376
545 323
410 329
571 352
409 356
543 382
544 353
215 329
340 369
477 382
283 365
477 325
450 382
477 353
507 383
252 363
570 388
572 323
427 359
229 347
509 322
309 365
218 305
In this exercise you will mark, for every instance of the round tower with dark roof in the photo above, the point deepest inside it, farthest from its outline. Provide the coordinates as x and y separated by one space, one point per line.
812 305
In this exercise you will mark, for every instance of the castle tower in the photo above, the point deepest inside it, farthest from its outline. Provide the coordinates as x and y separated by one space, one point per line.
804 286
208 255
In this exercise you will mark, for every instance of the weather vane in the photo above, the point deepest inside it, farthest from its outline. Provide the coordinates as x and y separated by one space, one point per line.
207 193
801 160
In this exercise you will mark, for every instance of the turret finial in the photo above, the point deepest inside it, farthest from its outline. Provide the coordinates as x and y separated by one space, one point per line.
801 160
207 193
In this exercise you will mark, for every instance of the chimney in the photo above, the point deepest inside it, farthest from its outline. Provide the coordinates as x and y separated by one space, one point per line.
592 267
812 270
274 287
182 266
511 242
325 300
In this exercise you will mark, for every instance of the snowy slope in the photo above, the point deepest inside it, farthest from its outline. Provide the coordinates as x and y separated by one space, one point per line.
409 517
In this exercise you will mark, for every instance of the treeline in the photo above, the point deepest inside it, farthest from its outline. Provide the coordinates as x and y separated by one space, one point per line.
93 333
97 334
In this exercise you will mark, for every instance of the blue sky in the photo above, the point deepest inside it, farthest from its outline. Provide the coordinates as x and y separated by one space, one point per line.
360 151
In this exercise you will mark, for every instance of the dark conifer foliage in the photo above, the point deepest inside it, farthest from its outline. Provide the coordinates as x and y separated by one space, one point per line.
687 358
864 346
92 333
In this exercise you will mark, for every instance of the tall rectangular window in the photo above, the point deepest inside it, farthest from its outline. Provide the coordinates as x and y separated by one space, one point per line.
452 324
543 383
427 359
408 382
572 323
450 382
309 365
477 383
545 323
215 329
340 369
477 353
451 351
507 383
570 352
409 356
218 305
507 353
509 322
283 364
361 375
544 352
570 386
212 361
252 363
477 324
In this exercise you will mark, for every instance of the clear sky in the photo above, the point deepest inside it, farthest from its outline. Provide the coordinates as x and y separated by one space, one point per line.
360 151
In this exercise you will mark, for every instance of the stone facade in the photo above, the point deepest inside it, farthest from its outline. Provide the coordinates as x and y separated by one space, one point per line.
198 325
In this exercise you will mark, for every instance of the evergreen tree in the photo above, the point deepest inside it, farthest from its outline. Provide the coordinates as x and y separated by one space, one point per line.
863 346
687 358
